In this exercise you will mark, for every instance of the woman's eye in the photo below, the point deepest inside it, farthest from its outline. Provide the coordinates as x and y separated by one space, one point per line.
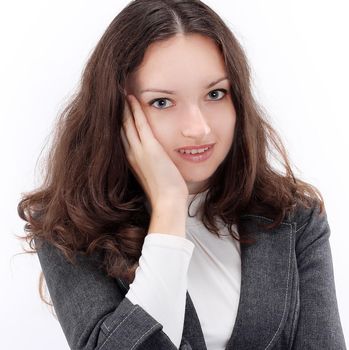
162 100
219 90
159 100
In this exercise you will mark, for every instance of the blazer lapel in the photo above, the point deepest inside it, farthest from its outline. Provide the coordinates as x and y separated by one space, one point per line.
192 331
265 283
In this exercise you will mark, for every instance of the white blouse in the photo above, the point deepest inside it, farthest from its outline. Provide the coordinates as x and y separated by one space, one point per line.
207 266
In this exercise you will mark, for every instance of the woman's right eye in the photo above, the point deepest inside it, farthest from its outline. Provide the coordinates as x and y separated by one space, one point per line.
159 100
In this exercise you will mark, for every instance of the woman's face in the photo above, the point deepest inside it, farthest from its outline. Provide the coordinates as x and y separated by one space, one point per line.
193 114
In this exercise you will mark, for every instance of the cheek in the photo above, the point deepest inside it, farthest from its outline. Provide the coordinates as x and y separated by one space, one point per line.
231 120
225 125
162 131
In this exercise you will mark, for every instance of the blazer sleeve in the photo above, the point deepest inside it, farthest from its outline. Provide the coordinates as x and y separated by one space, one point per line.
319 325
92 308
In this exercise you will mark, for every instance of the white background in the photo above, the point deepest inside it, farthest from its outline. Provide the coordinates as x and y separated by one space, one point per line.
299 56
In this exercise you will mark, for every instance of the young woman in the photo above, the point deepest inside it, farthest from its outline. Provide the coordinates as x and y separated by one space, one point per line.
162 223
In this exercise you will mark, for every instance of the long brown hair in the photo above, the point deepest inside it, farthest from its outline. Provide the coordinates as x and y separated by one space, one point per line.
90 201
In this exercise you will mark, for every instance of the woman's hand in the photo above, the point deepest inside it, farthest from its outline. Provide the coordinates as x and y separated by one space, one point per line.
154 169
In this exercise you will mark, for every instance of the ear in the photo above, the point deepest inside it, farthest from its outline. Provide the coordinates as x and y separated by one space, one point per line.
125 92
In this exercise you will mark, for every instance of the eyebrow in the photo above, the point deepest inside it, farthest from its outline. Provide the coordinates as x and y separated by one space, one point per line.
173 92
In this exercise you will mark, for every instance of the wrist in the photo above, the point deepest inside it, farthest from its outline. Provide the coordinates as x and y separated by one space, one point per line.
168 218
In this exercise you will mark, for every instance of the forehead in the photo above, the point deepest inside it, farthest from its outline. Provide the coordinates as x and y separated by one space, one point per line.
181 59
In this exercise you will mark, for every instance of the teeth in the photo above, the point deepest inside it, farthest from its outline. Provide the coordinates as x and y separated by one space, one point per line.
194 151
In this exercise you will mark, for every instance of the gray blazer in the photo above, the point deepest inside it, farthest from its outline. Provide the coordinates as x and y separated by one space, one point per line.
287 301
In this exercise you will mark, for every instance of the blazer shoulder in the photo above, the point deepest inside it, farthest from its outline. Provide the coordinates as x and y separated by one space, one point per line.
301 214
298 217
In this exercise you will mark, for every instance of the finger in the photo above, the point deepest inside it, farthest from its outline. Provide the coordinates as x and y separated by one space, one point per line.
131 133
124 140
144 131
128 151
127 111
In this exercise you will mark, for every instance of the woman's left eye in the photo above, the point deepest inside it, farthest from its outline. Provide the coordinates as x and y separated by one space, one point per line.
220 90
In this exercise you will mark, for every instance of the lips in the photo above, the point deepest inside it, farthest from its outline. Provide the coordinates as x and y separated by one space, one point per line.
189 148
197 157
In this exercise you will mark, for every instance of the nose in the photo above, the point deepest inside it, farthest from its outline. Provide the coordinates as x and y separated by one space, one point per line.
195 125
